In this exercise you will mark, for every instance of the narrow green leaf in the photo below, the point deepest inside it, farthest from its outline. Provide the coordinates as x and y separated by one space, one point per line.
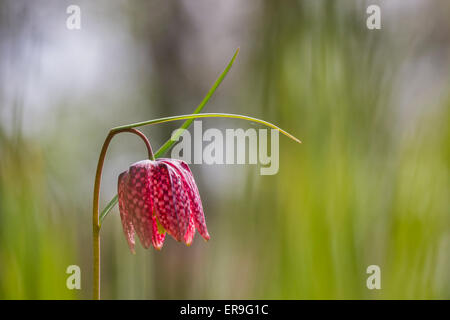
169 143
206 115
166 146
108 208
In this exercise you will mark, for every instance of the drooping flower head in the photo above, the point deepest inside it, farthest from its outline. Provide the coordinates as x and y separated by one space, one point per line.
160 196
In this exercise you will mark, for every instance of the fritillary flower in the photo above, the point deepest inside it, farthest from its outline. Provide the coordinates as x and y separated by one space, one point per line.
160 196
157 196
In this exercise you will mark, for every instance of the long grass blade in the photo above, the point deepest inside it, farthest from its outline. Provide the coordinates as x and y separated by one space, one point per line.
206 115
166 146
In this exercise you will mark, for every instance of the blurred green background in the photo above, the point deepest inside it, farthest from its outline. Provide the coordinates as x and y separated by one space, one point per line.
369 185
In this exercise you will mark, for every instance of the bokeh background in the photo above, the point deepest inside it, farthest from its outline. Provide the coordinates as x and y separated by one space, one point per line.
369 185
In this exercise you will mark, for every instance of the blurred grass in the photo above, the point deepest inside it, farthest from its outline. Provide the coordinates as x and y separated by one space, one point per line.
35 238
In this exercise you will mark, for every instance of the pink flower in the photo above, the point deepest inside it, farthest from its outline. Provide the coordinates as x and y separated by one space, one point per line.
159 196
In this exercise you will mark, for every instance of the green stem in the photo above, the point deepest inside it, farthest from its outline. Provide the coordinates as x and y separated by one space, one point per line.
95 209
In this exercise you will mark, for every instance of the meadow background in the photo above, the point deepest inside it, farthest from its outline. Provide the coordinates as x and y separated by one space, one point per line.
369 185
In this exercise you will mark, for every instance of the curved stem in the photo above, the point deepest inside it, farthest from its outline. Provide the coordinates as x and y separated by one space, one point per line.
95 210
144 138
